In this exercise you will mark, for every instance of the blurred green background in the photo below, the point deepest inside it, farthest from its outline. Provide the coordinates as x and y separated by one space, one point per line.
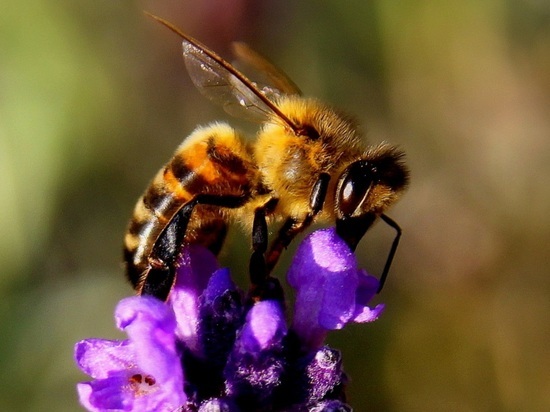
94 98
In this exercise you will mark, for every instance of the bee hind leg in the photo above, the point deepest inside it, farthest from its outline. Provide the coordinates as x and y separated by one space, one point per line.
159 279
161 276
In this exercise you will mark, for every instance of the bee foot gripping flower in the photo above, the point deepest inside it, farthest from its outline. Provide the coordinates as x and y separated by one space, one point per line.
206 350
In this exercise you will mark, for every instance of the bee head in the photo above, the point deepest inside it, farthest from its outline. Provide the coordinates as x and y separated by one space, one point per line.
366 188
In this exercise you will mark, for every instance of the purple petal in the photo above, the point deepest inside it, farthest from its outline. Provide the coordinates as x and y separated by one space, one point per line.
219 283
196 266
125 392
365 314
150 325
368 287
331 291
122 394
141 373
106 394
98 357
265 326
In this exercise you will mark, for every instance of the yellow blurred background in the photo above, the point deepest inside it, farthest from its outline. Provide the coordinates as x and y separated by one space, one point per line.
94 98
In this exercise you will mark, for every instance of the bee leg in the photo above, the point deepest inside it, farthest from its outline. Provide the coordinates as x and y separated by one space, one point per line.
352 230
257 267
293 226
262 286
288 231
393 249
159 279
161 275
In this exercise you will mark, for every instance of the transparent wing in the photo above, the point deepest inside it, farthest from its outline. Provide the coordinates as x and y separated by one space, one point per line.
271 74
241 98
221 82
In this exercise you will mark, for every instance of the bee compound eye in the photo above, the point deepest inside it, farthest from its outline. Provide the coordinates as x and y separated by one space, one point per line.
357 180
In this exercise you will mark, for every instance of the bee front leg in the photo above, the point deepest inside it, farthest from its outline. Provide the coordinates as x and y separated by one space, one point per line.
352 229
292 226
393 224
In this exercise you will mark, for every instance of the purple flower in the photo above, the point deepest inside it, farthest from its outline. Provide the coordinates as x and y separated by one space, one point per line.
196 266
331 289
137 374
209 348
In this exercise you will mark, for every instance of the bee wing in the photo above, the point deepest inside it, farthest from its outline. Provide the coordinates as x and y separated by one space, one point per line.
222 83
263 66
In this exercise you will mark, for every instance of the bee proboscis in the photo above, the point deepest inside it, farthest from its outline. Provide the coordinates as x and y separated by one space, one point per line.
307 164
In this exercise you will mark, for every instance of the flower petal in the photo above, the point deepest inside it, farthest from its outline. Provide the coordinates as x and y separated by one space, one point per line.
150 325
196 265
265 326
219 283
141 373
98 357
106 394
324 274
368 287
331 291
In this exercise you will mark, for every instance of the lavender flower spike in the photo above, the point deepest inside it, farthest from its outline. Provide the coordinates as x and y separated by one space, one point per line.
331 290
138 374
209 349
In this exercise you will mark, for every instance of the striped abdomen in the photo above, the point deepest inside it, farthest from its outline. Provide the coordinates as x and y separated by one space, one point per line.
211 161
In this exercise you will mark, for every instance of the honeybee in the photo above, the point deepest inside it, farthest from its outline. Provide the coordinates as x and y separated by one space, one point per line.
307 164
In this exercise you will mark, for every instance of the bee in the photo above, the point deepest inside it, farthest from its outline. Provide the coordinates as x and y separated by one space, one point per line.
307 164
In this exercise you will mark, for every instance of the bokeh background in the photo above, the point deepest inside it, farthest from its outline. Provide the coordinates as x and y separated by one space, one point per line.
94 98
